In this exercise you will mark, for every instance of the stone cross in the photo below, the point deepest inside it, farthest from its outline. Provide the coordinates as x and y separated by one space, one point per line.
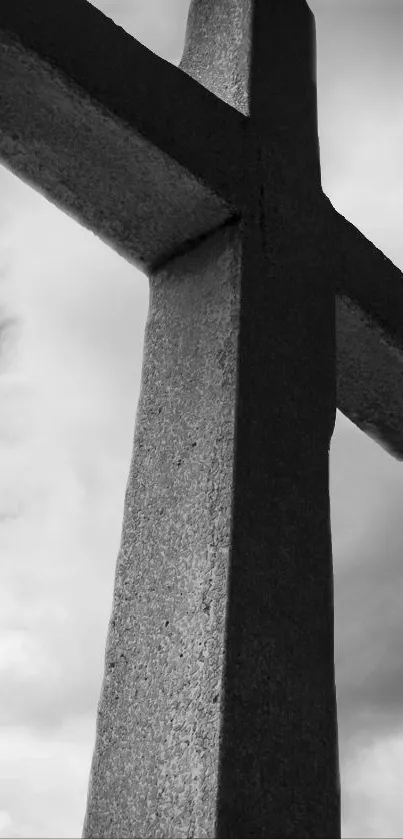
218 709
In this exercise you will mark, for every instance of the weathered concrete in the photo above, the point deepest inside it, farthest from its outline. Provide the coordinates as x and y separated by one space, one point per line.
113 134
152 161
226 532
370 391
159 717
217 716
218 709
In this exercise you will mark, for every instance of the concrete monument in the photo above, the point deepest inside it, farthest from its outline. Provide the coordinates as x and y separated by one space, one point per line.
267 309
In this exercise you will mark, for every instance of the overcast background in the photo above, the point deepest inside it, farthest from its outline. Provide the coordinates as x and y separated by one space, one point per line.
70 361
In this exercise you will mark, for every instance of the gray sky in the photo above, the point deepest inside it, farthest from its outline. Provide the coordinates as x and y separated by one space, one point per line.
69 378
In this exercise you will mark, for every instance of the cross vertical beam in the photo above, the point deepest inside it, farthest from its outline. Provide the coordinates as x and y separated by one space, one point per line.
278 758
218 711
218 708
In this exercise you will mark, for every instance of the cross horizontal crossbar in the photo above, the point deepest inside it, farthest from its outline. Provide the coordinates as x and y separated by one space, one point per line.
125 142
150 160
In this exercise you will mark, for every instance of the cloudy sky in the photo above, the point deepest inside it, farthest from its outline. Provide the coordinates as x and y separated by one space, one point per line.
73 313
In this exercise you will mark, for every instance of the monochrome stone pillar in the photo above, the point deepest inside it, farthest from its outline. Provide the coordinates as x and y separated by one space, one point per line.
218 709
217 716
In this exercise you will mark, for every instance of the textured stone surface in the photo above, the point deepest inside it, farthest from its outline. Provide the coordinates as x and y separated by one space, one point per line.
217 49
217 715
134 149
218 709
152 161
370 389
258 584
155 770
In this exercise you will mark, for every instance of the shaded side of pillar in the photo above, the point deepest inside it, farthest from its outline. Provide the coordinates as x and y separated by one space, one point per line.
279 768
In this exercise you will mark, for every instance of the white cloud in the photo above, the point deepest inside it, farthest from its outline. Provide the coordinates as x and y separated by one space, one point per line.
68 392
160 25
28 765
373 804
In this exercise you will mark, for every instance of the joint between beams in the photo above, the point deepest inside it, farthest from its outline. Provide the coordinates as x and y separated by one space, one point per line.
191 244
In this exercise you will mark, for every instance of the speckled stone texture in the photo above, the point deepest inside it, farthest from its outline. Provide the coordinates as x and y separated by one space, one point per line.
217 716
155 772
152 159
218 710
132 148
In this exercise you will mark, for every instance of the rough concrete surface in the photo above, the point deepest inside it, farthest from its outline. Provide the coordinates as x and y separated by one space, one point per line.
152 161
370 377
218 709
94 138
217 715
156 766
